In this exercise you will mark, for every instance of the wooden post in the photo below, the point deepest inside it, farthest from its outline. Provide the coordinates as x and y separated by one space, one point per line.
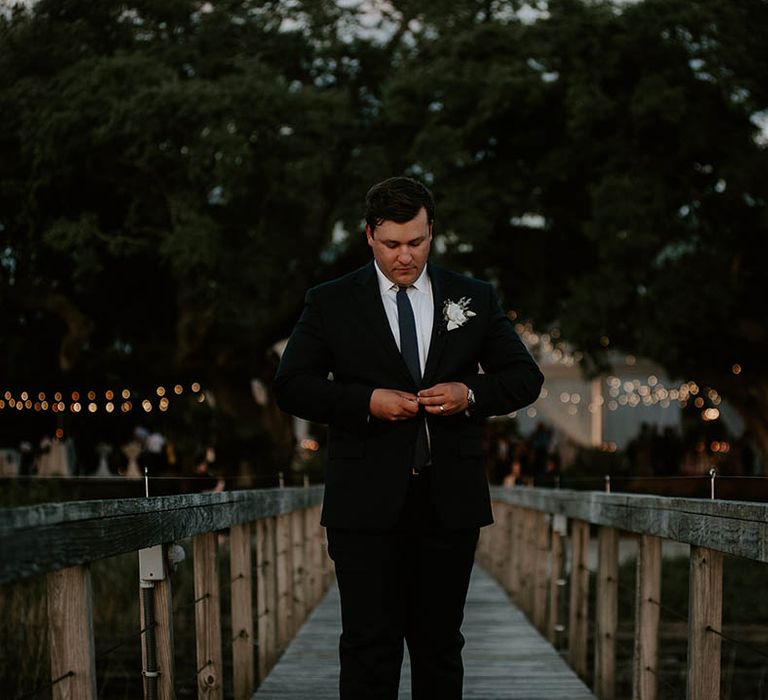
559 526
520 558
524 561
645 680
515 547
299 570
318 554
241 582
70 632
163 630
705 612
540 573
208 618
579 598
607 602
501 544
284 582
266 594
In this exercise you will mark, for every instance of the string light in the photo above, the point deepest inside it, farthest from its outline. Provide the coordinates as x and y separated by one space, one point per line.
629 393
25 400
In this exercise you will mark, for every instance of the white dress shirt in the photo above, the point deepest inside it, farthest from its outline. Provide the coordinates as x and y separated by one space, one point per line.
420 296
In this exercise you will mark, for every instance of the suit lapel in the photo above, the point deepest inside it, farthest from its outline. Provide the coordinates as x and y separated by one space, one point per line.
439 330
373 309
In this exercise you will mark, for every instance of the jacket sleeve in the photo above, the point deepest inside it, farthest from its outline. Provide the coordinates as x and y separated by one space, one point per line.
511 378
302 384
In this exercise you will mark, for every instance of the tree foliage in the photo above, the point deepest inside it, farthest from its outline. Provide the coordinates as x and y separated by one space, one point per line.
174 174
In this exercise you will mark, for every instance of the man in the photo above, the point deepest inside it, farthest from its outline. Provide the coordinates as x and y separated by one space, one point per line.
388 356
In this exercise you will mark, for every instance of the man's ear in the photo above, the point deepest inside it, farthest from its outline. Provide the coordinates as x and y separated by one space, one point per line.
369 235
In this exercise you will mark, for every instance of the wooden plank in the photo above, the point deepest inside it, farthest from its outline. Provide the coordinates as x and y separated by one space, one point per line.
527 552
70 634
555 577
53 536
733 527
266 594
208 618
284 565
705 613
607 613
514 566
241 585
540 569
162 595
645 685
578 624
299 569
316 539
504 657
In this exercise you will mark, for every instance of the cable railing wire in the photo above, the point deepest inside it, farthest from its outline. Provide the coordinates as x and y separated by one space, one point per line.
46 686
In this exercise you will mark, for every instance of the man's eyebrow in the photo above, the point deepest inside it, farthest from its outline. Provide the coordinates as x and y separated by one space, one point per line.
387 241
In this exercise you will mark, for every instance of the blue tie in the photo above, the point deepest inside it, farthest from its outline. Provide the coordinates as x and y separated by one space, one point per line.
409 346
409 349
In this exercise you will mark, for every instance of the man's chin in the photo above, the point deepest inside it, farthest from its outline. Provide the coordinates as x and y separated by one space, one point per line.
405 278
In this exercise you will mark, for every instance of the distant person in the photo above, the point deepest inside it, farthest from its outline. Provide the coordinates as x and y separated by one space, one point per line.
405 486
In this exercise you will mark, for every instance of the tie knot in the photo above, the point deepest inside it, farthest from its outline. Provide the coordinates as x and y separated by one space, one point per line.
401 288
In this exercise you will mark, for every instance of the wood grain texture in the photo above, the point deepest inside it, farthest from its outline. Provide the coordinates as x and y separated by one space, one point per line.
578 610
606 613
299 569
70 630
705 613
241 596
540 569
645 685
208 618
284 578
733 527
504 657
52 536
555 573
164 639
266 594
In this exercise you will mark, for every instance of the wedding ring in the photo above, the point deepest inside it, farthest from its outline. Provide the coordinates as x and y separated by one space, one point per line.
442 408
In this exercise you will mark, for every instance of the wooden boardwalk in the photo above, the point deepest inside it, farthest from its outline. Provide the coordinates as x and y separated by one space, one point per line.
505 658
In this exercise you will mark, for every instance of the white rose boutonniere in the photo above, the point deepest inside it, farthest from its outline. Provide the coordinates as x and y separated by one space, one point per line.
457 313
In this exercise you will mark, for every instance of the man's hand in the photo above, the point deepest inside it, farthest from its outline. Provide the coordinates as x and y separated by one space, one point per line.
389 404
444 399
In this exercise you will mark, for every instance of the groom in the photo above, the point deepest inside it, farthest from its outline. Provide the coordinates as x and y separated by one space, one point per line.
390 357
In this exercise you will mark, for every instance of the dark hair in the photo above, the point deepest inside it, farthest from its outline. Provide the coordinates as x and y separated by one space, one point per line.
397 199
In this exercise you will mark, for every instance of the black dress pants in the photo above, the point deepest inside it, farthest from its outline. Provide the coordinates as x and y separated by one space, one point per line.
409 583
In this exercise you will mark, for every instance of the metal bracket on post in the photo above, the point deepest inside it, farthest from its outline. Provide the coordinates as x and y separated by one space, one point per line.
152 564
560 524
152 567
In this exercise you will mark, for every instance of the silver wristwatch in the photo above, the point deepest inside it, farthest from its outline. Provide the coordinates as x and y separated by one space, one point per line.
470 399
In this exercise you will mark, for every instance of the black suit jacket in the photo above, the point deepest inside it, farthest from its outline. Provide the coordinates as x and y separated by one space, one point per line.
342 349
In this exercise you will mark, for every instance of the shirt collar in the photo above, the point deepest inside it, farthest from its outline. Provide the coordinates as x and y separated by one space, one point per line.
385 284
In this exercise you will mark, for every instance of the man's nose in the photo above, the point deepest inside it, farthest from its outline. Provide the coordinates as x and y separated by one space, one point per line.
404 254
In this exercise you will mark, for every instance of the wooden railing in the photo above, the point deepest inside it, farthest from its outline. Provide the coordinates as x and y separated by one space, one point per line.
524 551
277 557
